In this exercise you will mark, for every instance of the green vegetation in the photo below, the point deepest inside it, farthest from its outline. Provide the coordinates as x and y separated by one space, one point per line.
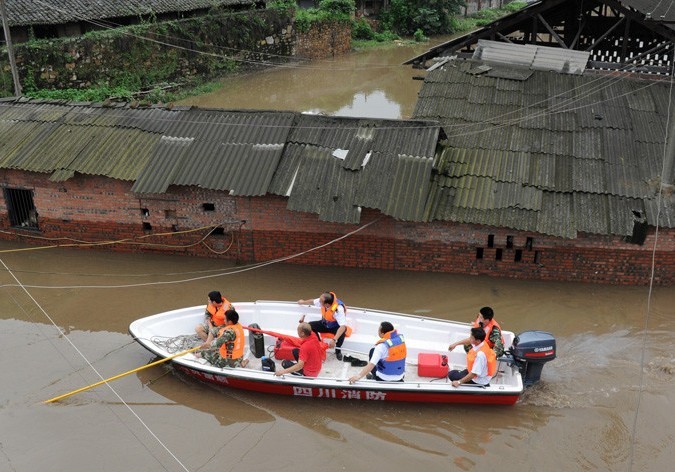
329 11
484 17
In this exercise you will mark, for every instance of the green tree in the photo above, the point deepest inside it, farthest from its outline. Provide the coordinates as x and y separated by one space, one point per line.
431 16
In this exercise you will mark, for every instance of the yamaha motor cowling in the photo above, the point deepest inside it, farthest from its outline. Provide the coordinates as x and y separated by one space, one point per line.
530 351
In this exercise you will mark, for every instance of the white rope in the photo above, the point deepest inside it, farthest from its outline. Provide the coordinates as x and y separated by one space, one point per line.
67 338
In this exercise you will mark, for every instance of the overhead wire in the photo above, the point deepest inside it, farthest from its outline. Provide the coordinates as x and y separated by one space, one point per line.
204 277
81 354
490 122
192 50
645 327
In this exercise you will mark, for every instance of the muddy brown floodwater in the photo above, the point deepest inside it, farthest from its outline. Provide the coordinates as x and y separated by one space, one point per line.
582 416
369 83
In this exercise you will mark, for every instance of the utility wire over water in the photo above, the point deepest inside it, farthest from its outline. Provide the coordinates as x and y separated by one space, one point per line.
583 404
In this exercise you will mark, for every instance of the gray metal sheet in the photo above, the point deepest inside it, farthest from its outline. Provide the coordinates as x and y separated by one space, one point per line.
557 215
162 168
30 12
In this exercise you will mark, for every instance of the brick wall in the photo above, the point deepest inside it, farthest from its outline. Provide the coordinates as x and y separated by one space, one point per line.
255 229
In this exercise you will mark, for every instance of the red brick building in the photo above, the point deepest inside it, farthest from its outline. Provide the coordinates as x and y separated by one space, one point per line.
148 195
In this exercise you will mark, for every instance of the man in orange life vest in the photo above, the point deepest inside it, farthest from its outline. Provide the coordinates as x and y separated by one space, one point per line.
214 316
387 358
493 332
227 350
309 356
481 362
333 319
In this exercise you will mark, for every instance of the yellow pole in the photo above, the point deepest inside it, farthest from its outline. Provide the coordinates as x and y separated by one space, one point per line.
121 375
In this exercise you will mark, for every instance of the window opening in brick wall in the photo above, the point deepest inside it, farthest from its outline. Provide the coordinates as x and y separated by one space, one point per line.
174 228
491 240
518 256
479 253
147 227
528 243
537 257
21 208
145 212
509 242
170 214
498 255
209 206
219 231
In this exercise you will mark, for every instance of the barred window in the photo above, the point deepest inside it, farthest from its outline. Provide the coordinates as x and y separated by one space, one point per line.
21 209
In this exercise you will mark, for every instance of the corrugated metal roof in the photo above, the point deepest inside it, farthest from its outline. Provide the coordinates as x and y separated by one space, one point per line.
31 12
529 56
357 162
574 139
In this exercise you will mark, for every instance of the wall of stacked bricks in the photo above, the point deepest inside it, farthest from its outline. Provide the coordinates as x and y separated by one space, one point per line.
256 229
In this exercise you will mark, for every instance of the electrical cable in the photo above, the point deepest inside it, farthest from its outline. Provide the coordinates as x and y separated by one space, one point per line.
193 279
645 334
67 338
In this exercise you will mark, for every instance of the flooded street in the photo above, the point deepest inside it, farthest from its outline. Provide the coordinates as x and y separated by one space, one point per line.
370 83
582 416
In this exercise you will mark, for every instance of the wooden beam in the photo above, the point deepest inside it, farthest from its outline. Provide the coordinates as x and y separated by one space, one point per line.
605 34
553 33
504 38
578 35
624 43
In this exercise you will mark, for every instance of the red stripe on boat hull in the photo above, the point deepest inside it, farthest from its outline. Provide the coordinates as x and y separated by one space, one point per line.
353 393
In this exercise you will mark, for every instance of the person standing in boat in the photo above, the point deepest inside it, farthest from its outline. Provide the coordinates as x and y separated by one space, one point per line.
387 358
214 316
493 332
309 355
333 319
227 350
481 362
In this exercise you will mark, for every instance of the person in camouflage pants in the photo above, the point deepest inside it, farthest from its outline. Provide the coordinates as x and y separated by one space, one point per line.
227 349
494 337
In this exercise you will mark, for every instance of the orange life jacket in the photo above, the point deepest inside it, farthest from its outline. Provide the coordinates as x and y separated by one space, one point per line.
218 314
489 353
395 362
236 348
487 327
328 315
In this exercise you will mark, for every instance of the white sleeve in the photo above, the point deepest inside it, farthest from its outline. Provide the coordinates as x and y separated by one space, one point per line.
340 315
379 353
480 365
317 302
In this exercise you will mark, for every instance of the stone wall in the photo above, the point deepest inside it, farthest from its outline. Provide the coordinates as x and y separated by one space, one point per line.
324 40
141 56
184 51
255 229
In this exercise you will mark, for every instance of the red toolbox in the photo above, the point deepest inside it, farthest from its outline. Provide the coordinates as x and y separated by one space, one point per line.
283 350
432 365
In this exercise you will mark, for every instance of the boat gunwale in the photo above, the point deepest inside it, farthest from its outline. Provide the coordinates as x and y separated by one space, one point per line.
258 376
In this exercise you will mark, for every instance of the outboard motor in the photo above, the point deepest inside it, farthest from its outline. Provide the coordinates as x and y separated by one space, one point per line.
530 351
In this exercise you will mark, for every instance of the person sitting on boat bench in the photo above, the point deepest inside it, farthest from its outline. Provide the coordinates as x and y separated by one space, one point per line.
387 358
227 350
333 319
214 316
481 362
493 332
309 355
